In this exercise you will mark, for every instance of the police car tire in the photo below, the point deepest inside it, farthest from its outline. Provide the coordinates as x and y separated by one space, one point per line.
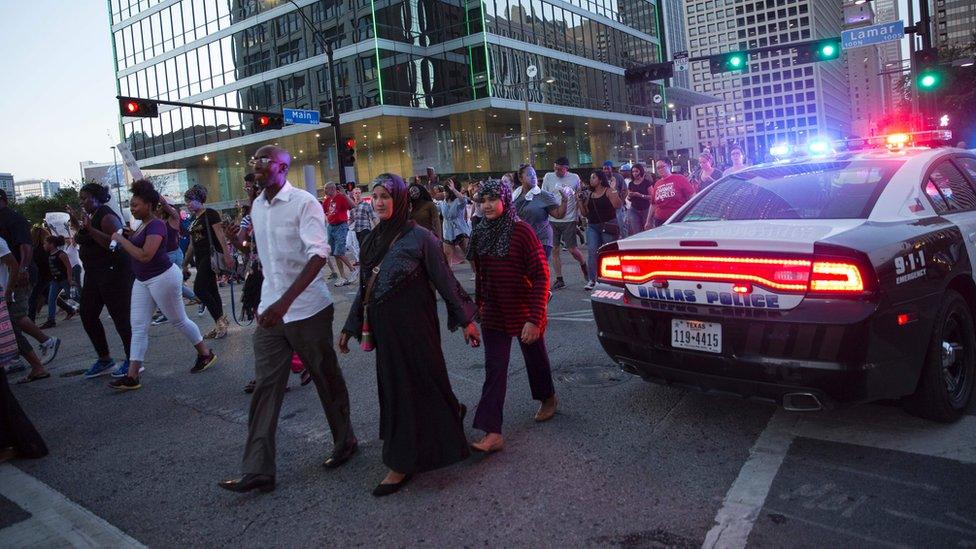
931 399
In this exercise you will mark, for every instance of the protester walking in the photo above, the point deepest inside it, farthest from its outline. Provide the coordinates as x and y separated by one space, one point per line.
640 194
565 230
108 277
364 218
336 206
40 271
706 173
738 160
619 184
18 437
15 229
157 283
62 279
423 211
295 316
208 249
599 203
395 309
670 192
536 206
511 291
457 229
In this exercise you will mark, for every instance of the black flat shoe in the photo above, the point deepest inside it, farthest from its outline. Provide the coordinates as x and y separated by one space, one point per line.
388 489
464 411
341 456
264 483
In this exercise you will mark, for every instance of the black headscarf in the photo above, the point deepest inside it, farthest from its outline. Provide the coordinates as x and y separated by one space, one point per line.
424 195
491 236
379 239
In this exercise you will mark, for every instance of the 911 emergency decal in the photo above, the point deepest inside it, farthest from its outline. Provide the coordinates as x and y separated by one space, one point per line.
909 267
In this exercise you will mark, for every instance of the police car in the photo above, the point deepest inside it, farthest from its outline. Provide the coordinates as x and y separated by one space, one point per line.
842 278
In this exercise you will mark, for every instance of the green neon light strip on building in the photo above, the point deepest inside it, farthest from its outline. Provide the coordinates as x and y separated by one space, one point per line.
376 46
484 34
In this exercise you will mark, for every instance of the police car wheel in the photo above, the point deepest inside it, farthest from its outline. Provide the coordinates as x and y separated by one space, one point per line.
946 382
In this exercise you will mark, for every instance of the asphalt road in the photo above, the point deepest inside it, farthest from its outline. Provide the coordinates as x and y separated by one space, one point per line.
623 463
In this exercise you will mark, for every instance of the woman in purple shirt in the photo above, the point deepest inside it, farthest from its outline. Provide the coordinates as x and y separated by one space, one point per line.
157 282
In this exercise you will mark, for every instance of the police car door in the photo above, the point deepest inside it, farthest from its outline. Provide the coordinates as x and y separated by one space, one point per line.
955 199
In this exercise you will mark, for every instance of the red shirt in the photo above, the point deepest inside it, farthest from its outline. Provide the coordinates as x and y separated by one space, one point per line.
336 208
670 193
514 289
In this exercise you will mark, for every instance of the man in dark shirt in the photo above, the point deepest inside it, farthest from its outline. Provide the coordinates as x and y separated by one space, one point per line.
15 229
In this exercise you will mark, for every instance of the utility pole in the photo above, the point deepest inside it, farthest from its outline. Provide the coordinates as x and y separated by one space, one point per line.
334 119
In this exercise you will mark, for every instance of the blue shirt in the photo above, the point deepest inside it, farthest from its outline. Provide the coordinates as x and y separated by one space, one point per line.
533 208
455 223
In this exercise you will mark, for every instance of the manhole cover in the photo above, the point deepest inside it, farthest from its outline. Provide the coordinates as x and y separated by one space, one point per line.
593 376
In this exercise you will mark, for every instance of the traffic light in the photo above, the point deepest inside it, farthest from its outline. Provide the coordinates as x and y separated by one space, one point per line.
930 75
822 50
143 108
729 62
647 73
347 153
267 121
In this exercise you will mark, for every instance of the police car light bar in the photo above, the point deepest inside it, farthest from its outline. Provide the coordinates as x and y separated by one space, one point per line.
896 140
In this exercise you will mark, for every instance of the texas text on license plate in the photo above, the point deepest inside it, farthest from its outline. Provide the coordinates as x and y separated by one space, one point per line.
696 335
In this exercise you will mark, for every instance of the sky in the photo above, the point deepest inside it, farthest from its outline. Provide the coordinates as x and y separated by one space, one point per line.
57 96
57 104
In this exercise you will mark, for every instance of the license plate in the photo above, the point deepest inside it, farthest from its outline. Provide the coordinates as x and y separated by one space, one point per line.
696 335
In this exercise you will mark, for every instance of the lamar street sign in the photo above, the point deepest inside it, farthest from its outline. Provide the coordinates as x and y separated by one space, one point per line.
875 34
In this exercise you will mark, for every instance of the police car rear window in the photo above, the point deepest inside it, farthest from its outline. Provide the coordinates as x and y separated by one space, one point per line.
826 190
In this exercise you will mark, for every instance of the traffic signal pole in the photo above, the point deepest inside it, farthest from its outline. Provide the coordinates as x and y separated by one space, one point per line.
334 119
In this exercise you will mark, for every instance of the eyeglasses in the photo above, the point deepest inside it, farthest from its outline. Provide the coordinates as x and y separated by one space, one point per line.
262 161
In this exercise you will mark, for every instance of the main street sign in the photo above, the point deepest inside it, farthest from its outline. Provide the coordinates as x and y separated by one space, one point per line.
300 116
875 34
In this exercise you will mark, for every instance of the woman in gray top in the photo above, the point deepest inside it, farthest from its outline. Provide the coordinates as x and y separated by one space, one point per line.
534 206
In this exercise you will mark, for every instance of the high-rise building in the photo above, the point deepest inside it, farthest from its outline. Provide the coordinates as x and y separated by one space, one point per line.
7 184
43 188
954 22
774 100
887 11
865 64
419 83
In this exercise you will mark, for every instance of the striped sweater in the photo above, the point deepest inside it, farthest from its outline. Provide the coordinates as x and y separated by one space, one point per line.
514 289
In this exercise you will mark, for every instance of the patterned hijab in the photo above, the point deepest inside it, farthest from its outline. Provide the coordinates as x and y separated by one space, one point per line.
378 241
491 236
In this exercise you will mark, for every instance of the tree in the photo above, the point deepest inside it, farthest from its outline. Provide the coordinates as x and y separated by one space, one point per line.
34 207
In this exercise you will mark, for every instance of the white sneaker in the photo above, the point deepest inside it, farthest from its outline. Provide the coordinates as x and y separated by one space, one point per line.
49 350
341 282
589 286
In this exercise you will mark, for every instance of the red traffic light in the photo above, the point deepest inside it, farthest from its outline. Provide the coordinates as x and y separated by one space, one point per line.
264 121
351 143
267 121
134 106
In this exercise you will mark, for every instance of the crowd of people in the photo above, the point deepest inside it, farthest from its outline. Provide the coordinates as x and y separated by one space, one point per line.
395 247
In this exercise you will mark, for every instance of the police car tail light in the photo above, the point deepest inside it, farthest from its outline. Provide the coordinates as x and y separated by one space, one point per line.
610 269
831 276
780 274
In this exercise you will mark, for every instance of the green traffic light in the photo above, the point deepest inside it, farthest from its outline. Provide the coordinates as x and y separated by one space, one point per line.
736 61
828 51
928 81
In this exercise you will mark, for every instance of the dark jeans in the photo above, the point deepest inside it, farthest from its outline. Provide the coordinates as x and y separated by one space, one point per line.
311 339
498 350
205 286
111 289
52 298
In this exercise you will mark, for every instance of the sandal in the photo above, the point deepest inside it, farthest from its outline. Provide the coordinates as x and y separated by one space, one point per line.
32 378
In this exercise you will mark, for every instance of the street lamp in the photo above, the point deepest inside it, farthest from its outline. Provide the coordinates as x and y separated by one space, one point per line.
531 71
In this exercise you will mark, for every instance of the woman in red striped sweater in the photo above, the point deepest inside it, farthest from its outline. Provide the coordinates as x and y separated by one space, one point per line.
512 288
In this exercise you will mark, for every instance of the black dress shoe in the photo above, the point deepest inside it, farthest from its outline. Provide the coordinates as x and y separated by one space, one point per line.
387 489
339 457
265 483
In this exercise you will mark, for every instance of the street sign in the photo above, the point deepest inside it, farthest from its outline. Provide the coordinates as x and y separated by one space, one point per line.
680 61
875 34
300 116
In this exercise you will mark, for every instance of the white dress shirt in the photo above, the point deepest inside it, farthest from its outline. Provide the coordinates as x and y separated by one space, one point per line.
288 232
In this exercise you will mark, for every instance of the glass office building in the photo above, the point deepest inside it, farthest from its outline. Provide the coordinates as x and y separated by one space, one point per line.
419 83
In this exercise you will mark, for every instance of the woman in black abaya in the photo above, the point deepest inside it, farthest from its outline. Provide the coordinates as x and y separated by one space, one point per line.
420 418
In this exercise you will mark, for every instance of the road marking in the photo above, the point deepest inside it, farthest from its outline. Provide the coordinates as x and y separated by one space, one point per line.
746 497
580 315
55 521
842 531
872 426
929 522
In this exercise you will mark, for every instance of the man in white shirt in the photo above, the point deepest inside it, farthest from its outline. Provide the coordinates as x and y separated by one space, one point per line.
294 316
564 231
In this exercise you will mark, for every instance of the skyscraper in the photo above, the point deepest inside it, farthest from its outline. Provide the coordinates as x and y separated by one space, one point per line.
774 100
954 22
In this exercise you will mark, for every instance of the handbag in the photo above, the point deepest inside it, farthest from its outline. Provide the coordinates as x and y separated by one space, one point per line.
607 227
216 257
366 342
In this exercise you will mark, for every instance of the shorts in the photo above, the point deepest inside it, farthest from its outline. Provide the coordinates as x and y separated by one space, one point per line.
337 238
564 233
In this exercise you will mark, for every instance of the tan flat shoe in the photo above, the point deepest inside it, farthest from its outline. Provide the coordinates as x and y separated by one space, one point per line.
546 410
489 444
